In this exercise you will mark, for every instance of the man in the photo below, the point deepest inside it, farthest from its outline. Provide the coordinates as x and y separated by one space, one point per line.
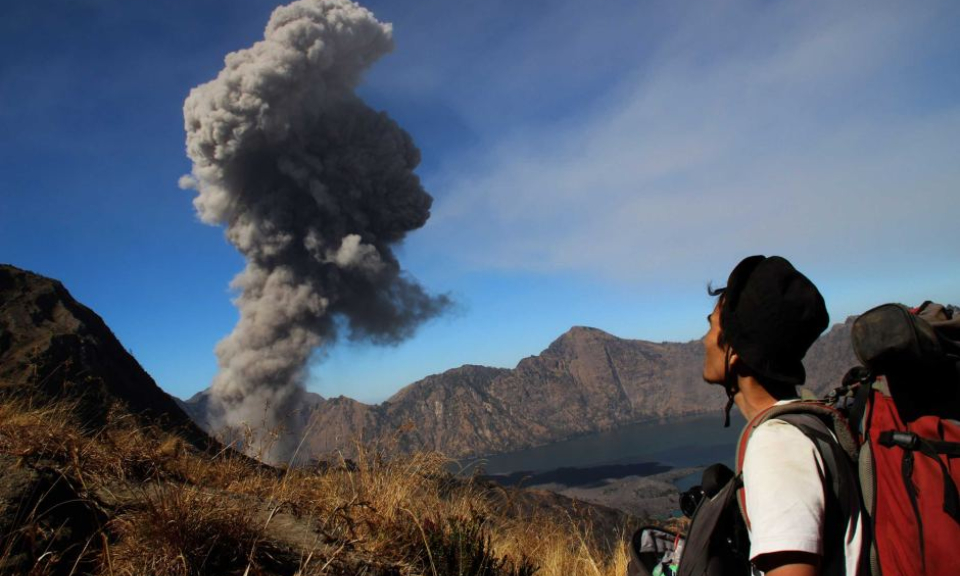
765 320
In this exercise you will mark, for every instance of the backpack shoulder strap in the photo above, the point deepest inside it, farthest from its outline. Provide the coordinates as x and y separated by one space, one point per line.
815 419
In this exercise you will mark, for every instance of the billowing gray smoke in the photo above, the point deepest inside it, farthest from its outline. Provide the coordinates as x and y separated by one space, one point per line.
314 188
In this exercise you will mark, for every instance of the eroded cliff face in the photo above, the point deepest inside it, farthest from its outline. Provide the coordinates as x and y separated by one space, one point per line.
585 381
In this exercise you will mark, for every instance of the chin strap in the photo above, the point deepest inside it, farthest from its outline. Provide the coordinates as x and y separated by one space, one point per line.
730 385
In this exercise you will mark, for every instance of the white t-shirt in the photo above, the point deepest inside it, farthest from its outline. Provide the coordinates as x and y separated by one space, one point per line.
785 495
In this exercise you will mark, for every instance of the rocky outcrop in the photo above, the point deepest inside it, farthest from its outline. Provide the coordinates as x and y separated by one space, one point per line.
52 347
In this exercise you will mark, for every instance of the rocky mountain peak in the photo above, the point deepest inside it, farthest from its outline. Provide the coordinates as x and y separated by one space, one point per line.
579 341
583 334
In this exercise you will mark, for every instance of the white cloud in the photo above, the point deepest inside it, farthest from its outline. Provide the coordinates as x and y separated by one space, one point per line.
187 182
785 128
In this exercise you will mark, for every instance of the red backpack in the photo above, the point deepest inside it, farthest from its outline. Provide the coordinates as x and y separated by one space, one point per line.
904 450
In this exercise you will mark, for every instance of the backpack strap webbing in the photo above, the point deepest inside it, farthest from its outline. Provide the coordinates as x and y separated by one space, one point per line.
930 448
829 432
842 500
831 418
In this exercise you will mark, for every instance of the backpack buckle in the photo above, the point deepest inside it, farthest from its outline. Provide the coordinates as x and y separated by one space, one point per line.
905 440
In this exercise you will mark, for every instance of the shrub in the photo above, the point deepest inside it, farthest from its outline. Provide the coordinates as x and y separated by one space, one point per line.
462 547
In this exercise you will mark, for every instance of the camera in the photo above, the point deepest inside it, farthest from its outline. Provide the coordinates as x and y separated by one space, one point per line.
690 500
714 478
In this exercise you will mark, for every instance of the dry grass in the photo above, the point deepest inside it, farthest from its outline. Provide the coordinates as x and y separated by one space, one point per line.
181 532
165 509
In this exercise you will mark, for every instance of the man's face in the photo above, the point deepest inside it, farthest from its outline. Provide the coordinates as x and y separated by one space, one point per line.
713 361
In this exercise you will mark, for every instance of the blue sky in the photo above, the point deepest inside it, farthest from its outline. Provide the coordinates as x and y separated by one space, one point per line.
592 164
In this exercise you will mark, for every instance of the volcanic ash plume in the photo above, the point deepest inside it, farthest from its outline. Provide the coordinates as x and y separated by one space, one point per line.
314 188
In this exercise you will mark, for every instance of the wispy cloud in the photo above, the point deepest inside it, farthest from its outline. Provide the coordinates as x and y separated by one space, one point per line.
809 129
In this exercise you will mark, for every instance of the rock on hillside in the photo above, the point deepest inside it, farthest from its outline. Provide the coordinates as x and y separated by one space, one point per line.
51 347
585 381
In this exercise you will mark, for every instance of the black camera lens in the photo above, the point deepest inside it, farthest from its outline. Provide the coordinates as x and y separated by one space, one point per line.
689 501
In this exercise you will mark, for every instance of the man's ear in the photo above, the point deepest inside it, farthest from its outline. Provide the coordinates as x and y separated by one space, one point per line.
733 360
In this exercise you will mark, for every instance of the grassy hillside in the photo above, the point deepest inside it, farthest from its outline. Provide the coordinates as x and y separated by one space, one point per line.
125 499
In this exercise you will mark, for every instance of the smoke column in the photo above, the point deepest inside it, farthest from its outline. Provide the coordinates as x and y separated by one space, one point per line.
314 188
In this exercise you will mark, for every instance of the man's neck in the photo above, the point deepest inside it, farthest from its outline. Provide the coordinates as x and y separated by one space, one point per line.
752 398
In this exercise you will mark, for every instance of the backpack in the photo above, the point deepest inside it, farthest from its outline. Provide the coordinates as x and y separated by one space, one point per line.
654 551
901 454
904 405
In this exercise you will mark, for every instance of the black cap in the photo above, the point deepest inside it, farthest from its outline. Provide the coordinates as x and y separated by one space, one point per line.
771 315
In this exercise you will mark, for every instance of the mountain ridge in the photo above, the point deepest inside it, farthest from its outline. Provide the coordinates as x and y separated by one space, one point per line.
585 381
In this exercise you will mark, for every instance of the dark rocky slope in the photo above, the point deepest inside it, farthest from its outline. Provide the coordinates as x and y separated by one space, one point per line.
52 347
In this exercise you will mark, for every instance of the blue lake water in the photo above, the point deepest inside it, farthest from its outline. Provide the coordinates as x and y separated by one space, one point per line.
636 449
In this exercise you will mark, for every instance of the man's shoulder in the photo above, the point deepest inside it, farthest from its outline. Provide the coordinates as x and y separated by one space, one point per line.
778 431
779 442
